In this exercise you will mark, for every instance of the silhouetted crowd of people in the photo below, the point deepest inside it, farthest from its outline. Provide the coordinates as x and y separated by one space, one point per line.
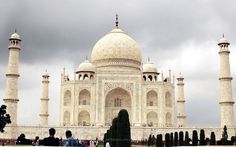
54 141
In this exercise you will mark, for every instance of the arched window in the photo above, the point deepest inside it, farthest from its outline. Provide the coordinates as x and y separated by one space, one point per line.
91 77
150 78
86 77
84 102
168 119
66 119
80 77
84 118
155 77
117 102
168 99
152 98
67 98
152 119
144 78
84 97
117 99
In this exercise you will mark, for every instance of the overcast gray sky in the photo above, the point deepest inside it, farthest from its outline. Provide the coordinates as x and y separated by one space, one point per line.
181 35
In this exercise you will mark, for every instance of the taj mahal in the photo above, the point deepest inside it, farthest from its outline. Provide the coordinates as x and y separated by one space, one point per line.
115 78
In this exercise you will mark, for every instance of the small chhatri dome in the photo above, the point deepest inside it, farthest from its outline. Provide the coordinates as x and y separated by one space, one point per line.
15 36
149 67
46 74
180 76
86 66
223 40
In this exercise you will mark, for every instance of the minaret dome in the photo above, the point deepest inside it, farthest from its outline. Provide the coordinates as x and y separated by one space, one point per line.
15 36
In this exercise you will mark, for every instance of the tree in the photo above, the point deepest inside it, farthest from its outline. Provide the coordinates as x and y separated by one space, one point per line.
213 139
224 138
181 138
159 142
194 138
202 137
176 140
171 139
4 118
113 128
233 140
225 134
153 140
167 140
149 140
107 137
187 139
123 129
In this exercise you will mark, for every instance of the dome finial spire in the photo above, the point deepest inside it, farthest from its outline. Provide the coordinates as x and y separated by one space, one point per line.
117 22
15 30
223 35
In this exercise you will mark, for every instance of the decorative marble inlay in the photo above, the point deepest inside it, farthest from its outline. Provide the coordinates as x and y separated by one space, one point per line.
111 85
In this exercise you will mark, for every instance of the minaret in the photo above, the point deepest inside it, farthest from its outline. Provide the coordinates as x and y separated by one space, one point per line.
226 99
44 100
11 91
181 108
169 76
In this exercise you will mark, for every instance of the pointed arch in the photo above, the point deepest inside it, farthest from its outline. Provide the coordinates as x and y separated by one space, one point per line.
80 77
84 118
86 77
91 77
152 119
115 100
152 98
118 93
155 77
66 118
168 119
168 99
144 77
67 98
149 78
84 97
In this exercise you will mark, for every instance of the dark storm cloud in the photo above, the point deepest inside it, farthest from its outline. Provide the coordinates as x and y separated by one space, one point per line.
47 31
69 29
66 30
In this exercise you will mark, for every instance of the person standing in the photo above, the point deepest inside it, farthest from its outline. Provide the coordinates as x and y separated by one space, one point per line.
51 140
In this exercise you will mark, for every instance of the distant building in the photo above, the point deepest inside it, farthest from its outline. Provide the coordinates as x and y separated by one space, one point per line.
116 78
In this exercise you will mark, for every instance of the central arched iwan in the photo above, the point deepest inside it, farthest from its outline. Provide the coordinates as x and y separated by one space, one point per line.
116 100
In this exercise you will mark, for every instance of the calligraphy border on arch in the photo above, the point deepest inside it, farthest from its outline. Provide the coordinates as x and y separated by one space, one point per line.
108 86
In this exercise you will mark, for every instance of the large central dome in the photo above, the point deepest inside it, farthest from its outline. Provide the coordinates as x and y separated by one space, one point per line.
116 49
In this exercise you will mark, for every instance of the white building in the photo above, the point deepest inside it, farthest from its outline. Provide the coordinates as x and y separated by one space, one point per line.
115 79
